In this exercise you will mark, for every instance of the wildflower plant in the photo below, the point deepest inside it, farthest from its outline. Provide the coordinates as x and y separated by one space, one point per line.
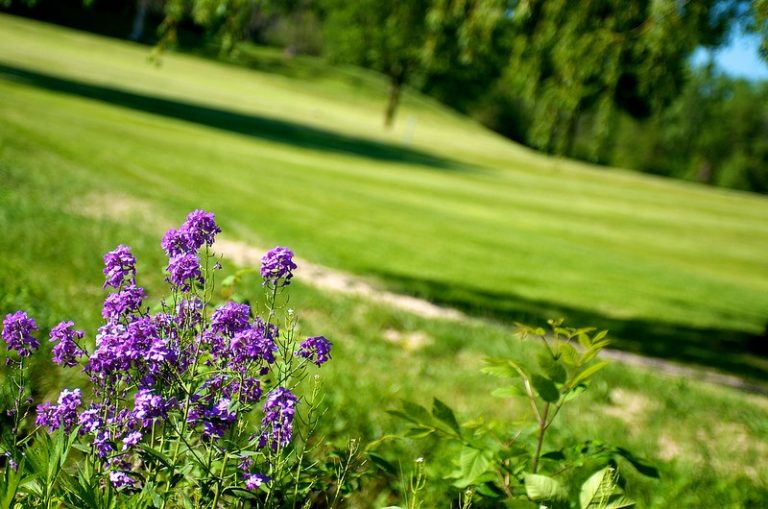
188 403
496 465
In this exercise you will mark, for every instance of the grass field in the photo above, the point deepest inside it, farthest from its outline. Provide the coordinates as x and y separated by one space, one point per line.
438 207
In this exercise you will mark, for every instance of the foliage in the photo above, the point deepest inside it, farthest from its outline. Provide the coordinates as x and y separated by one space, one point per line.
715 132
499 463
174 391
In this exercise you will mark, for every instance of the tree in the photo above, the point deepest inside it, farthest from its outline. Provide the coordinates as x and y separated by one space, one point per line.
571 57
388 37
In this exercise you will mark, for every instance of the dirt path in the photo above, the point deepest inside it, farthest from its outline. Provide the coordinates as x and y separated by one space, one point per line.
335 281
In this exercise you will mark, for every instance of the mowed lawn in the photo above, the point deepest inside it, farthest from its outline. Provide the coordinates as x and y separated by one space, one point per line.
437 207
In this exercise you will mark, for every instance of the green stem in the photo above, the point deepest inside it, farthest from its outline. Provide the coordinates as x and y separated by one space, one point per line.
540 438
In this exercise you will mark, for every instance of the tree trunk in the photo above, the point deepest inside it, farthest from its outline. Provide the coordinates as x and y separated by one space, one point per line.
395 87
138 20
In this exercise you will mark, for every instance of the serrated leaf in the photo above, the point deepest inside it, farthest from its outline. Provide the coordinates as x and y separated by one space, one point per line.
545 388
444 414
541 488
588 372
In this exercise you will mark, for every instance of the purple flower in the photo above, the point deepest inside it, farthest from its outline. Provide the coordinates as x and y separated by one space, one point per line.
200 228
277 266
63 415
277 424
103 445
188 312
17 333
90 420
174 243
245 464
149 406
217 419
253 481
252 345
317 349
125 301
66 351
118 264
230 318
182 269
247 392
131 439
120 479
46 416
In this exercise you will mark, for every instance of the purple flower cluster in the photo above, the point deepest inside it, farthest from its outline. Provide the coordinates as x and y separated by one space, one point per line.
316 349
119 264
66 352
126 301
17 333
277 424
149 406
183 270
149 367
63 415
199 229
181 246
136 352
277 266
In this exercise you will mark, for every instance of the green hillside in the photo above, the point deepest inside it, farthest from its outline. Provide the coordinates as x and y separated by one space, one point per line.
438 207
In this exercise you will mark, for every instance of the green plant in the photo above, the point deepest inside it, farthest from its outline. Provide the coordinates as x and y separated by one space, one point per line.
502 465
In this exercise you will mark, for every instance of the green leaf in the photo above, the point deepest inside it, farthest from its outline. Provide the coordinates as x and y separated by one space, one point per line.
472 464
642 465
588 372
545 388
383 463
541 488
444 414
598 487
569 354
419 432
601 491
511 391
503 368
554 456
417 412
552 368
159 456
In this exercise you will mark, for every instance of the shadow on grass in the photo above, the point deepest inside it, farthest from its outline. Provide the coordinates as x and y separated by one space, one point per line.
271 129
727 350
